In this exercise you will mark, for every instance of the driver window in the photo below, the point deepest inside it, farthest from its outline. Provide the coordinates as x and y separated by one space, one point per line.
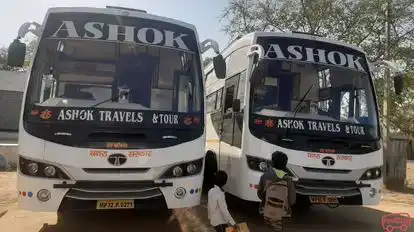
344 106
361 103
48 87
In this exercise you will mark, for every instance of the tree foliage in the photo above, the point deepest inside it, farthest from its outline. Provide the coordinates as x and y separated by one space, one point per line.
358 22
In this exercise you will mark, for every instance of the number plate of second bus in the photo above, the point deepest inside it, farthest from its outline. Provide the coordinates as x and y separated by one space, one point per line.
115 204
323 200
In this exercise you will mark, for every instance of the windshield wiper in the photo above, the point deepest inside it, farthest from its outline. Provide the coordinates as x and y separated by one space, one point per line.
297 107
120 94
301 101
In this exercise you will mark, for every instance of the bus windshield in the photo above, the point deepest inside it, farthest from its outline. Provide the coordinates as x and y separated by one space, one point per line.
321 98
86 73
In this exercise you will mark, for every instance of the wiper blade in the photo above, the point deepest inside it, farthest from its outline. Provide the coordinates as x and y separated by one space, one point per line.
120 94
301 100
297 107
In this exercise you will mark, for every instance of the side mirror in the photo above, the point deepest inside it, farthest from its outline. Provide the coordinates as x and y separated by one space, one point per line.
16 54
398 83
219 66
236 105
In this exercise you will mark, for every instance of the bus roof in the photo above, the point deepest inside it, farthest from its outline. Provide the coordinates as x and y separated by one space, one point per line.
120 12
250 38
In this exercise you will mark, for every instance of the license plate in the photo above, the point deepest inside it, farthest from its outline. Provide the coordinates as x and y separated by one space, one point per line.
115 204
324 200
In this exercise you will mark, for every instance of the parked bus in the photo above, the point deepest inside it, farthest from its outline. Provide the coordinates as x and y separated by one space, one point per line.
113 113
310 97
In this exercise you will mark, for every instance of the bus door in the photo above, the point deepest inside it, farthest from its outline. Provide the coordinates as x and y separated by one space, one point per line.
227 149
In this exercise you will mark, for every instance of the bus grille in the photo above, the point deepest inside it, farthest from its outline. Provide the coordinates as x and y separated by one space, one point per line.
115 170
113 194
328 187
324 170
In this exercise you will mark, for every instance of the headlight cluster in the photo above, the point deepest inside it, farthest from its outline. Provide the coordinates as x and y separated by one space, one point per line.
261 165
258 164
184 169
372 174
39 169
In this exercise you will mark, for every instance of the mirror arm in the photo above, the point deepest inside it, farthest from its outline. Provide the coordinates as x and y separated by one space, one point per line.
256 49
25 28
204 46
377 65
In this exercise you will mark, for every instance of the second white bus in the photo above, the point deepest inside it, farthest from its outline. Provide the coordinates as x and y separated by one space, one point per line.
310 97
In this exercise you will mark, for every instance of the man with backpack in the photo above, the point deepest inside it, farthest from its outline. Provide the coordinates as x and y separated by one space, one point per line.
276 191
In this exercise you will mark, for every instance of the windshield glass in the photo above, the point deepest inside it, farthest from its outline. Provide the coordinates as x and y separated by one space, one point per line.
85 73
318 93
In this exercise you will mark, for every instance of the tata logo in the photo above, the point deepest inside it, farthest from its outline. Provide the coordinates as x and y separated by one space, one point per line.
117 159
328 161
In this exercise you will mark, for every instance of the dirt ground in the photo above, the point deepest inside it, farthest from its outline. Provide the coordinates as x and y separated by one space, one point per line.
405 197
320 218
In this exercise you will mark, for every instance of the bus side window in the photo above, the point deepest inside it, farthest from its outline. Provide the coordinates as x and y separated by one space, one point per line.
219 99
228 101
240 92
211 102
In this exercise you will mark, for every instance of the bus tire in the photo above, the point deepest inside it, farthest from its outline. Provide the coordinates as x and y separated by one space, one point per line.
209 170
65 217
302 206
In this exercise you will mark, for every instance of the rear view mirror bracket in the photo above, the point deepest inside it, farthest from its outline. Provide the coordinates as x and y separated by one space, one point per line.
398 77
219 62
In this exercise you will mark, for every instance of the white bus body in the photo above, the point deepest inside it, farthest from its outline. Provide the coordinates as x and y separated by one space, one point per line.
113 113
333 144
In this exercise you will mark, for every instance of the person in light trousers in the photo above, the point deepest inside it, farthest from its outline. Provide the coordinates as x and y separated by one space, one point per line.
218 213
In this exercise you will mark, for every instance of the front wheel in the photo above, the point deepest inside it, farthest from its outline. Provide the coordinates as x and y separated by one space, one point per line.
65 217
301 207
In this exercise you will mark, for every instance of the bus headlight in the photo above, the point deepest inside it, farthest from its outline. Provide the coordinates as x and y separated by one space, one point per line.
263 166
50 171
372 192
372 174
191 168
31 168
177 171
180 192
258 164
184 169
43 195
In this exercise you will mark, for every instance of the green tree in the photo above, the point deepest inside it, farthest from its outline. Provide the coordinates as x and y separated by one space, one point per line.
31 45
3 59
358 22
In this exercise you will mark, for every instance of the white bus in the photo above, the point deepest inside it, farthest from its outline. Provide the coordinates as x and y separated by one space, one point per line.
310 97
113 113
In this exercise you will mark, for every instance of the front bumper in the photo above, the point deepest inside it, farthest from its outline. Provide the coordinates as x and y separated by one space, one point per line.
83 195
347 192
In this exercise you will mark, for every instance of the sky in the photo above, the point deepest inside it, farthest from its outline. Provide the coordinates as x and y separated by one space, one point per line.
204 14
